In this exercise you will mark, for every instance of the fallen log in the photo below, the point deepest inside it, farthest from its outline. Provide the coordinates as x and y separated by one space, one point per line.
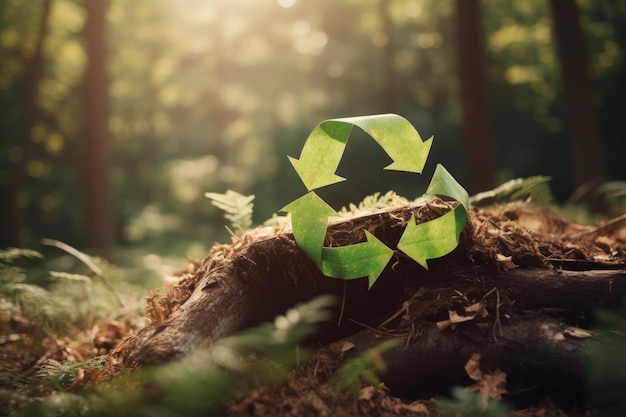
509 262
539 354
535 360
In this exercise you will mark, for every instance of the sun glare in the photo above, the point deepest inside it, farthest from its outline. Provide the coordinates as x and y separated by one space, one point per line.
286 3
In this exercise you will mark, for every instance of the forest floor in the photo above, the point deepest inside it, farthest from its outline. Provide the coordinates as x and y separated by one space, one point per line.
508 321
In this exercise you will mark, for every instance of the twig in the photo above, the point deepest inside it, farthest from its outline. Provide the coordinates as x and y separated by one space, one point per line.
230 231
489 293
87 261
497 321
343 303
403 309
375 330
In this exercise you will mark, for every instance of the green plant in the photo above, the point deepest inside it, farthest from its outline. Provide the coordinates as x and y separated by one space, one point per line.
363 369
371 202
237 208
201 383
472 404
534 189
48 317
606 366
91 264
27 303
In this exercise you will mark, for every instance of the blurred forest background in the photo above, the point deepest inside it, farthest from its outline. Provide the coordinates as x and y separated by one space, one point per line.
117 116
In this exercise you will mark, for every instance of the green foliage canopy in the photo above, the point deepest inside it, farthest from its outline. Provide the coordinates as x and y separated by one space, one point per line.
208 95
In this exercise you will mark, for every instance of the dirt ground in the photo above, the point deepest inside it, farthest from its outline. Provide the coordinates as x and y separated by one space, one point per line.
506 314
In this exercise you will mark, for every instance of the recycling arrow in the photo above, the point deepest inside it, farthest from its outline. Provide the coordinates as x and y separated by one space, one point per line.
434 239
321 154
309 218
443 183
317 165
356 261
398 138
325 145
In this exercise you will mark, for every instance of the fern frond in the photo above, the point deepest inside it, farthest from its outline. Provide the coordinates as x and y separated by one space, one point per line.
12 254
275 220
534 189
614 193
198 385
91 264
286 330
37 303
237 208
10 274
83 279
362 369
55 371
371 202
466 403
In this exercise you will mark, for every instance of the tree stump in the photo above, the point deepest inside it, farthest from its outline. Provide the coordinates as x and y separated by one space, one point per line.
520 290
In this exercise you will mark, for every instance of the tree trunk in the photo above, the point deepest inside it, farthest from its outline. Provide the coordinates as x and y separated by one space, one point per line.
585 143
14 218
471 63
389 85
524 297
97 188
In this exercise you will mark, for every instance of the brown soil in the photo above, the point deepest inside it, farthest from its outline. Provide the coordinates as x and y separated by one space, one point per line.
519 291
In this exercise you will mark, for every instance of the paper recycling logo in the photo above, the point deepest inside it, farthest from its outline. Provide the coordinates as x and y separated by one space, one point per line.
317 165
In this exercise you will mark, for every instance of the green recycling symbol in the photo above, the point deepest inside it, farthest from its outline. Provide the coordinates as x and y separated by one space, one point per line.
318 162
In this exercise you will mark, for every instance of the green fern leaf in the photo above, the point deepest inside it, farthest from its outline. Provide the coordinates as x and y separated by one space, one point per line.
12 254
78 278
371 202
534 189
237 208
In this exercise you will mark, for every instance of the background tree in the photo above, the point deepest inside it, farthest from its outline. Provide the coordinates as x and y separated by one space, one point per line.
97 194
206 96
471 62
585 141
12 211
389 86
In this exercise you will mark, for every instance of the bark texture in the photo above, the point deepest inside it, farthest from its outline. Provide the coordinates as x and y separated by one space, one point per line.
585 140
520 289
474 94
97 165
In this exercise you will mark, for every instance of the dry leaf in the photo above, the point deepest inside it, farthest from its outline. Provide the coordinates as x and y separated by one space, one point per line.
505 261
455 319
472 367
577 332
416 408
603 258
488 384
477 309
473 310
346 346
367 393
605 243
443 324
